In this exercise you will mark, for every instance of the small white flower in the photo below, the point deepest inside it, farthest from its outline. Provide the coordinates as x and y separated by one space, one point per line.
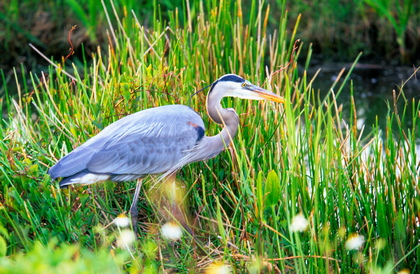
354 242
218 268
122 221
171 231
126 238
299 223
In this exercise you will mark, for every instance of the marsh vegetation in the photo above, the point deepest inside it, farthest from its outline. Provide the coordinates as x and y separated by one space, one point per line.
305 187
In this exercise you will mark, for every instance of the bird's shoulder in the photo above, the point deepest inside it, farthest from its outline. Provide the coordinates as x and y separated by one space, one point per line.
169 114
164 117
148 141
159 122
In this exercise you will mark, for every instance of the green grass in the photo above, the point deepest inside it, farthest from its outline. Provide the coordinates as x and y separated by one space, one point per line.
385 30
304 157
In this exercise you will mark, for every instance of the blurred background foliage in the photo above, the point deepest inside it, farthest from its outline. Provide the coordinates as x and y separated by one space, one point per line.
386 31
354 183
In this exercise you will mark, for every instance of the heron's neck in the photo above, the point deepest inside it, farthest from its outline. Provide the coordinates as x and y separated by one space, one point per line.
226 117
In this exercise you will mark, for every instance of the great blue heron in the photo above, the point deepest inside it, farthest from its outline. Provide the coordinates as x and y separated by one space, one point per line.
157 140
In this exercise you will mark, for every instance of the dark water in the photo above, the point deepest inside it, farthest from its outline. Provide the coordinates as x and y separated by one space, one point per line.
373 88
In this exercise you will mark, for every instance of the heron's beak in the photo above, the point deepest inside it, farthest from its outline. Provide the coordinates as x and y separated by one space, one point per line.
265 94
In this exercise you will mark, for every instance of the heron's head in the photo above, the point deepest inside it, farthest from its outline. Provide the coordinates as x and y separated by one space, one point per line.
231 85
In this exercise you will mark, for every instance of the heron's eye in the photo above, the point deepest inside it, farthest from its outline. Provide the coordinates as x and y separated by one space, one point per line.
243 85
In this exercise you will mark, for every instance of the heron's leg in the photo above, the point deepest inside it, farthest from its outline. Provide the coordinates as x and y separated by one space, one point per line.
133 209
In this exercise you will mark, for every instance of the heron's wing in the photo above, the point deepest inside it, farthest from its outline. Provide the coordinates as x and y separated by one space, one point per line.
74 162
135 154
147 142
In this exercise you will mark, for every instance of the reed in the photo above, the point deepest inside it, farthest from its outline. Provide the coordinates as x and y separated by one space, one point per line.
300 190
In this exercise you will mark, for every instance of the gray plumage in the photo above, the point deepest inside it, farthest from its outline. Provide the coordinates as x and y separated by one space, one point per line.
157 140
151 141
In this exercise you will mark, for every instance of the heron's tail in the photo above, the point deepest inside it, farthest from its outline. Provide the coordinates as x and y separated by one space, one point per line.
84 178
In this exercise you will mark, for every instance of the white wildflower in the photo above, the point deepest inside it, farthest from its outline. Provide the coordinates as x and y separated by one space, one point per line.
171 231
122 221
354 242
299 223
218 268
126 238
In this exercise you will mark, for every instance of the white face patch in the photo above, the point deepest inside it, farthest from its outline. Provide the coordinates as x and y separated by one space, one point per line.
89 178
243 93
246 94
235 89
